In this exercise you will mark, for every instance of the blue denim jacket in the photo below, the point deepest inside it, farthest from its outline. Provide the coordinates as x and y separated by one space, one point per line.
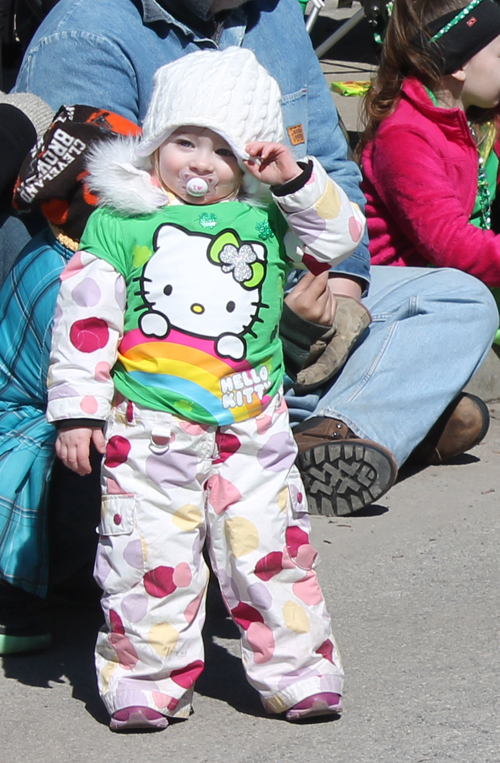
105 54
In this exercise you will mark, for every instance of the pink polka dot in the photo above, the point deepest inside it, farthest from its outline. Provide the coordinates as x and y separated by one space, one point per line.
117 451
306 556
115 622
227 444
261 639
182 575
295 537
222 493
244 615
102 371
190 427
161 701
269 566
74 266
312 179
192 608
89 404
160 582
89 335
355 229
113 488
263 423
87 293
308 590
186 677
124 649
326 650
288 563
314 266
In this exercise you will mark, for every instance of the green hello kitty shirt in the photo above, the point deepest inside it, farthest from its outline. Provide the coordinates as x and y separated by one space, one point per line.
204 293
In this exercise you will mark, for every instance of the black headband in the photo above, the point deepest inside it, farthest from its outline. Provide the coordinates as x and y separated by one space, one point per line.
459 35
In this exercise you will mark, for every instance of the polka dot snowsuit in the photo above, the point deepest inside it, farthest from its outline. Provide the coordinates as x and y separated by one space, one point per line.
169 486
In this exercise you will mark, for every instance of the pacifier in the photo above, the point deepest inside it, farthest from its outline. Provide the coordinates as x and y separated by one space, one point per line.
197 186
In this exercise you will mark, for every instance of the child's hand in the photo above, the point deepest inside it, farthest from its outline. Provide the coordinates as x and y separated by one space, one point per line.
313 300
275 164
73 447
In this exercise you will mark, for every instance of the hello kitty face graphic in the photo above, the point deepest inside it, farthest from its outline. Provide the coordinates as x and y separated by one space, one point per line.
208 287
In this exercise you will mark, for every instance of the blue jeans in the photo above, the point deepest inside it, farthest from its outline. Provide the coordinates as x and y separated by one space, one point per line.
431 330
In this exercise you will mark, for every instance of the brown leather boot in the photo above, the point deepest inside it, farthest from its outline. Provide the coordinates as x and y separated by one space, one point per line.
463 425
342 473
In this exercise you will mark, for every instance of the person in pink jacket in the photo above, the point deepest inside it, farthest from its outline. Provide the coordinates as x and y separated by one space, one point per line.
430 150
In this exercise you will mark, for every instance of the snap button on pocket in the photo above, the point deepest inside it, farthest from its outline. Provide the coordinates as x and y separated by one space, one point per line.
117 515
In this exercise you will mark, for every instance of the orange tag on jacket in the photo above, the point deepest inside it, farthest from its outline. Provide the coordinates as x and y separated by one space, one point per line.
296 135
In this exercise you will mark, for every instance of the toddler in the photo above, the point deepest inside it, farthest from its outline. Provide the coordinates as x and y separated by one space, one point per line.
166 355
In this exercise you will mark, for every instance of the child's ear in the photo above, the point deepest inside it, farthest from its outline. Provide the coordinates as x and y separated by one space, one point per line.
459 75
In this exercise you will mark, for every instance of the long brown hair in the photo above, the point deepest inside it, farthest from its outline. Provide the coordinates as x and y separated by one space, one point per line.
401 58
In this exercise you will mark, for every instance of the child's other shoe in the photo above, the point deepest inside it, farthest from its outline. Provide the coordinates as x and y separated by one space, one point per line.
325 703
21 629
138 718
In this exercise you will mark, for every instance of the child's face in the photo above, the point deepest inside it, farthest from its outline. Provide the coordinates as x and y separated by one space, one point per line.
196 152
482 77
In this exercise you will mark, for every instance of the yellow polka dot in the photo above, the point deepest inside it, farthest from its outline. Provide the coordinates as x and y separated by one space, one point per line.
283 499
242 536
141 255
163 638
296 618
328 205
276 704
106 674
144 548
188 517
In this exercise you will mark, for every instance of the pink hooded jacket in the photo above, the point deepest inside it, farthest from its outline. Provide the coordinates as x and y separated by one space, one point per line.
420 182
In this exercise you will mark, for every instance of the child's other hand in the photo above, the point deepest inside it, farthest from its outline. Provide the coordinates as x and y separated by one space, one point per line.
312 299
73 447
274 163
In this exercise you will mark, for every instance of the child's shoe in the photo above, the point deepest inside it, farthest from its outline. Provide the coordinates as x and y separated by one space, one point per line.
21 630
325 703
138 718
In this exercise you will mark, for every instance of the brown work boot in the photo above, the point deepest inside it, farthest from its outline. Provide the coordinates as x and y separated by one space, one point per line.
463 425
342 473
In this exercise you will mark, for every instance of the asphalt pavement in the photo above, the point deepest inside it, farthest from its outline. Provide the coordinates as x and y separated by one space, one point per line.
412 586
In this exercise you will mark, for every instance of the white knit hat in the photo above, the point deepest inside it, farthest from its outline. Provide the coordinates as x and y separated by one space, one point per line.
226 91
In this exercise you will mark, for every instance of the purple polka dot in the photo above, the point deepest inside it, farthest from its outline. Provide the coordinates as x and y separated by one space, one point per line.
295 676
134 607
229 589
87 293
62 390
172 470
120 293
278 454
102 566
259 596
198 544
133 554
